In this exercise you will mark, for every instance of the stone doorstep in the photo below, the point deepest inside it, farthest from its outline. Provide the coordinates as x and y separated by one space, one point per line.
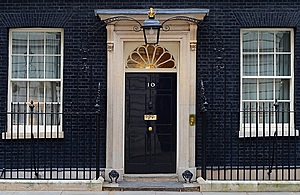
51 185
248 186
150 186
150 177
150 182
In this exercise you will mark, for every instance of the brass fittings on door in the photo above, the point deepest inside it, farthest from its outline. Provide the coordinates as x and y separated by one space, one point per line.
150 128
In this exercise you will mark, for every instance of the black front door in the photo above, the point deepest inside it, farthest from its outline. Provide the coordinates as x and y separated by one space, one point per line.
150 123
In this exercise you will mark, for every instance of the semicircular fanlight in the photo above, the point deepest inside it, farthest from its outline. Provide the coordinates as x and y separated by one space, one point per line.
150 56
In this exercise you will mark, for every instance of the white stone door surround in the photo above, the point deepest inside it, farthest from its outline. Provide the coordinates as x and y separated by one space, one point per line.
120 40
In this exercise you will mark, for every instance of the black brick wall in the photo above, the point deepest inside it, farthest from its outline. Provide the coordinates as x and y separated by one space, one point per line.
218 36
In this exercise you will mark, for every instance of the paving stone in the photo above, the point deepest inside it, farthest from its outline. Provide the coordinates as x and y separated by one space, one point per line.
83 193
6 193
37 193
271 193
178 193
132 193
224 193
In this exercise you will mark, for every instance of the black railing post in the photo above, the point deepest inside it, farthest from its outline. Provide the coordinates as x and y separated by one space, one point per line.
276 105
31 106
97 106
204 130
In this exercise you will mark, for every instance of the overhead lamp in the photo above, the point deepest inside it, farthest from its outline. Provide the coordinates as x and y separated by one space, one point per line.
151 28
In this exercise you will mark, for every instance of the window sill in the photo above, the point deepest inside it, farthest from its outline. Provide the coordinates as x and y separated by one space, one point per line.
284 130
27 135
25 132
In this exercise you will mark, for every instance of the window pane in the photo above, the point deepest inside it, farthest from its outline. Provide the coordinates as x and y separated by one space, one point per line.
283 112
283 41
249 112
266 65
266 89
37 118
18 118
19 91
249 89
266 112
19 42
52 114
19 67
36 91
53 43
250 41
283 65
53 67
36 67
52 91
266 42
36 42
250 65
282 87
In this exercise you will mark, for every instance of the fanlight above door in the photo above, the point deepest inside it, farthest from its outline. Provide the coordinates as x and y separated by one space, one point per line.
149 57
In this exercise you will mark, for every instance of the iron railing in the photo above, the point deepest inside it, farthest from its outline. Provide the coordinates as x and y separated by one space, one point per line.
261 142
49 145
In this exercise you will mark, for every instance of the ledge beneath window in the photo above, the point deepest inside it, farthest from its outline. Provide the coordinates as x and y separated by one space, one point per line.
36 135
267 131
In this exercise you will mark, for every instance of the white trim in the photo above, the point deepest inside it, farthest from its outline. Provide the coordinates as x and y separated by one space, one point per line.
251 130
24 132
39 132
117 41
283 129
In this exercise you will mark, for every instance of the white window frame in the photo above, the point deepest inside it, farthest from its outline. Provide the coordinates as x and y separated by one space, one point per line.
42 131
260 129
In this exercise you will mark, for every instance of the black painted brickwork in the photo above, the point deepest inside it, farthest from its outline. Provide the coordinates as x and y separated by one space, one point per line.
218 37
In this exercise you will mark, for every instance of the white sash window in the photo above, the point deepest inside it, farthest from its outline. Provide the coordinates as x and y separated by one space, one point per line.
35 75
267 78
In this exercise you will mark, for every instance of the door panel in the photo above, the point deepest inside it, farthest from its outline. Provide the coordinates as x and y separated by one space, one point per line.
150 145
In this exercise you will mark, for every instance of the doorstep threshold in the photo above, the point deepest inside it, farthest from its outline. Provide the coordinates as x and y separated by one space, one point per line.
150 177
